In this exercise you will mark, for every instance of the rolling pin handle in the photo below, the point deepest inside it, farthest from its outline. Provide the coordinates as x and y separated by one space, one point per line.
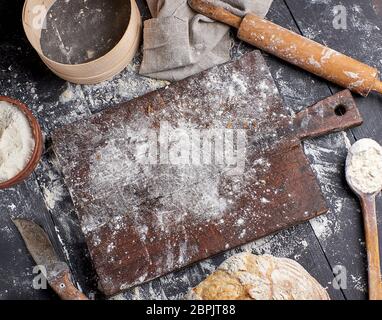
377 86
216 13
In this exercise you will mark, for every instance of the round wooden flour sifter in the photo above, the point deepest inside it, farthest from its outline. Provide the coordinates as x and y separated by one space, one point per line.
101 65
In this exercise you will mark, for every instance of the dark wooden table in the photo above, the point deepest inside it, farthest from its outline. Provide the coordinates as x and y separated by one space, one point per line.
323 246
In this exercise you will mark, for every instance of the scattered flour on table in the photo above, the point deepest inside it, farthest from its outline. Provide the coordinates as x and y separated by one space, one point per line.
52 185
5 229
123 87
322 159
63 245
358 283
16 141
67 95
53 195
346 139
364 166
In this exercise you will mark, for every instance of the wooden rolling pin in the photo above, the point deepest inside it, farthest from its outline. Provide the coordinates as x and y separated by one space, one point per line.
300 51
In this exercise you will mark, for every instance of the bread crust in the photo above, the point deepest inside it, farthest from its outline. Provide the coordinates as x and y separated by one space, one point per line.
250 277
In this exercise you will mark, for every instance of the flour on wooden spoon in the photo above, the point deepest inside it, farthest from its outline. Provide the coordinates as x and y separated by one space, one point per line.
364 166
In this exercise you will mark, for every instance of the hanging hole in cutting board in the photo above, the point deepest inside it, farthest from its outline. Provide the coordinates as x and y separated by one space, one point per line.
340 110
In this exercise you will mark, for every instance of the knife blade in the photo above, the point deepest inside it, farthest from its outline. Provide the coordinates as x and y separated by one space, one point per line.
43 253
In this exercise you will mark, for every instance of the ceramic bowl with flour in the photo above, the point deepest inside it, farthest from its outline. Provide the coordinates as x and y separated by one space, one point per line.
20 142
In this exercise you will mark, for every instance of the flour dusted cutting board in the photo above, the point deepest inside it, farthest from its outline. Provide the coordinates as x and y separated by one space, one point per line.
201 166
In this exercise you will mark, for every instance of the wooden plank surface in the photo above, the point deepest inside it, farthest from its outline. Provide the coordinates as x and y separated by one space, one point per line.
23 76
361 39
336 238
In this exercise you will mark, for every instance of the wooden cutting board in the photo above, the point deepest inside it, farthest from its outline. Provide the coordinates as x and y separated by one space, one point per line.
150 204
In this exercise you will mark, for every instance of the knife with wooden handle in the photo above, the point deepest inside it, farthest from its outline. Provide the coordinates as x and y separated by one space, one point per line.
42 251
296 49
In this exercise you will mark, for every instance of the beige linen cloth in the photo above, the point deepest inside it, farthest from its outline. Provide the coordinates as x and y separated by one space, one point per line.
178 42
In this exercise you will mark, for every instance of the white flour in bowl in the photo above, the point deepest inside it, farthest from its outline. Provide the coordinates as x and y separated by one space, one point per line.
364 166
16 141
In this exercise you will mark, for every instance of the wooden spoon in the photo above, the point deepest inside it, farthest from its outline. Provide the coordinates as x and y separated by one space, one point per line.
367 190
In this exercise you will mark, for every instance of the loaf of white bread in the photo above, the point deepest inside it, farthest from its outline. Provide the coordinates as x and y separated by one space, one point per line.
250 277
